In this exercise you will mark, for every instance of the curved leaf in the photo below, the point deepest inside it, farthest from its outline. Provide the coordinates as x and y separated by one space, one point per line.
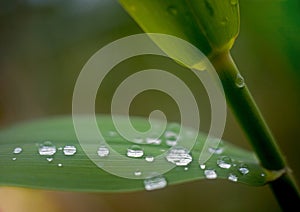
26 167
210 25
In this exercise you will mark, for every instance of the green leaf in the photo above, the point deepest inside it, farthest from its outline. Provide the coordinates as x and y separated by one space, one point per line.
210 25
78 173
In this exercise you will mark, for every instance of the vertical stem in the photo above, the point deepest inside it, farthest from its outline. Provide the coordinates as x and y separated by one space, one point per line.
256 129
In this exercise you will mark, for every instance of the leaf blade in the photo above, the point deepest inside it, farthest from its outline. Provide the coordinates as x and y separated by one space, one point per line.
78 173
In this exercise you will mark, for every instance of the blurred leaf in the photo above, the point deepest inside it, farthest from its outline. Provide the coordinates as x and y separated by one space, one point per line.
210 25
78 173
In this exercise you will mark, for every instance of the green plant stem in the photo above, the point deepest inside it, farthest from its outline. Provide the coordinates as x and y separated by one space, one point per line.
257 131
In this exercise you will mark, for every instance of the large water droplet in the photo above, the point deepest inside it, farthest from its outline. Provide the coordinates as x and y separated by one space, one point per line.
224 162
233 178
243 169
154 183
47 148
103 151
149 158
69 150
135 151
179 156
217 150
239 81
210 174
17 150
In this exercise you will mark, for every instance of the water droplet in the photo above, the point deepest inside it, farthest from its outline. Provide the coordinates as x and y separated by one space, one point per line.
224 162
202 166
186 168
49 159
59 165
154 183
172 10
179 156
243 169
47 148
210 174
14 158
224 21
69 150
171 138
103 151
233 178
59 148
17 150
239 81
217 151
262 174
137 173
149 158
153 141
233 2
135 151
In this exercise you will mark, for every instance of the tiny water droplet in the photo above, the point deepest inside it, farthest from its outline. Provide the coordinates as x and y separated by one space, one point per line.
243 169
210 174
202 166
172 10
103 151
217 151
137 173
179 156
239 81
153 141
14 158
171 138
49 159
59 165
233 2
186 168
17 150
154 183
262 174
135 151
224 21
59 148
233 178
69 150
47 148
224 162
149 158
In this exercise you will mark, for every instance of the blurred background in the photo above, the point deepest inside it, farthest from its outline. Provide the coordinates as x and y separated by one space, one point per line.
45 43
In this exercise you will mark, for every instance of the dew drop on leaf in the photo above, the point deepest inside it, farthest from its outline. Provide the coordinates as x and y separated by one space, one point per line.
103 151
233 178
210 174
17 150
224 162
69 150
47 148
179 156
154 183
135 151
